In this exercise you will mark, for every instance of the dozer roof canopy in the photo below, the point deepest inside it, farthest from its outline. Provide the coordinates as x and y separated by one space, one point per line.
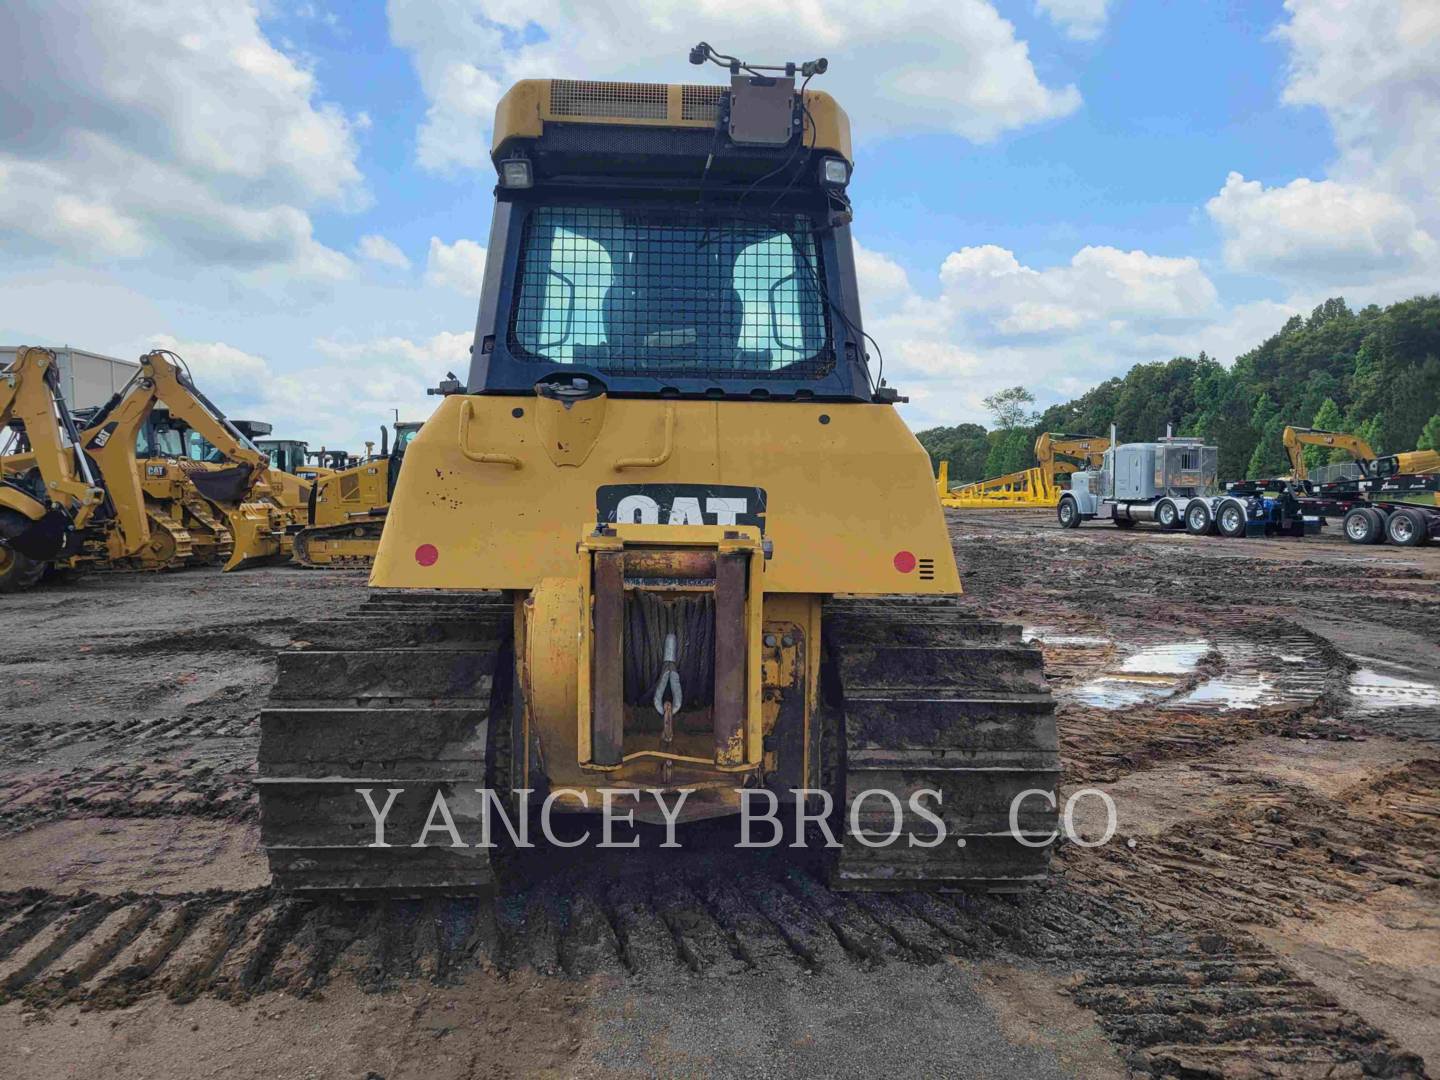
559 119
671 239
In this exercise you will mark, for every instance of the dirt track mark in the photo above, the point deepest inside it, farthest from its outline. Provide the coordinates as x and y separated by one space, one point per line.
1177 1001
1278 854
155 789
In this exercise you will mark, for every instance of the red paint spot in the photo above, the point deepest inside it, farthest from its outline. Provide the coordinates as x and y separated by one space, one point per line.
904 561
427 554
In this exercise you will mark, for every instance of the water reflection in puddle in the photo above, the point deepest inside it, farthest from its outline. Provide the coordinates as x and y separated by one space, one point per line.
1118 692
1251 692
1172 658
1374 692
1047 635
1144 677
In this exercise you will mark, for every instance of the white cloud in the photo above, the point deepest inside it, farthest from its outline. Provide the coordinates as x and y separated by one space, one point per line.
987 321
1101 284
966 72
380 250
1082 20
431 357
459 266
133 130
362 383
1318 230
880 277
1368 228
218 368
1375 70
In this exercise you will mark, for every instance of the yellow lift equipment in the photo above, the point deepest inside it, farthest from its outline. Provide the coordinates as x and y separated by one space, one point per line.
1036 487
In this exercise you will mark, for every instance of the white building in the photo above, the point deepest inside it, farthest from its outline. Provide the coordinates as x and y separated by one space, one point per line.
87 379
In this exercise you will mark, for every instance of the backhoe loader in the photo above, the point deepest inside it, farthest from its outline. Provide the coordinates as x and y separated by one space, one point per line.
672 537
82 498
348 507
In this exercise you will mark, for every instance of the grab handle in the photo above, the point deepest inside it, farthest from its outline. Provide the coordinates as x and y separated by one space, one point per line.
483 457
665 450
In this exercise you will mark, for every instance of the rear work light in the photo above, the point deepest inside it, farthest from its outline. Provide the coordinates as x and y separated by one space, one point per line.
834 172
515 173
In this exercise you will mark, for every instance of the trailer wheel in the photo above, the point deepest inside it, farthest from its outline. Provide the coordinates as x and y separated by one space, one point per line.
1231 519
1067 513
1166 515
1381 517
1362 525
1197 519
1407 528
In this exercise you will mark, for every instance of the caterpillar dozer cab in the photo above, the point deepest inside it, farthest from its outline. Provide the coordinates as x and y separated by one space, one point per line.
671 538
348 507
82 498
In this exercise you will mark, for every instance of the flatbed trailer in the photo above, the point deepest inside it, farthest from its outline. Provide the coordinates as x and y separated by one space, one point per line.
1375 510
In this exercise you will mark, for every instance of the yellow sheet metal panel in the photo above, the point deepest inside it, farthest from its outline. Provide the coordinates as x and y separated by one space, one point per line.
850 505
531 103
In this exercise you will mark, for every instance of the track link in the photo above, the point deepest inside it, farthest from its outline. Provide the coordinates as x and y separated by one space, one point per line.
395 697
338 547
936 699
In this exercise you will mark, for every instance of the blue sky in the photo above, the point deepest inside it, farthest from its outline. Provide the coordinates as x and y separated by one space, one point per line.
296 195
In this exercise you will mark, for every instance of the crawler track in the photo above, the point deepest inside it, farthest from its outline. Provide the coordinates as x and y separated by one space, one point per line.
398 696
937 700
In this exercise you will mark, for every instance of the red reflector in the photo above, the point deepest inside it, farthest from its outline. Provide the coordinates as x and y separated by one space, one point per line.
904 561
427 554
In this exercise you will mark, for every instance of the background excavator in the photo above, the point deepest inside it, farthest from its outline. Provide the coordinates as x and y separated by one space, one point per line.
76 497
1057 455
1414 462
672 537
347 508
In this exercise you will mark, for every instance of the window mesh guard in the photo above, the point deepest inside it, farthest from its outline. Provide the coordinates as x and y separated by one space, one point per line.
672 293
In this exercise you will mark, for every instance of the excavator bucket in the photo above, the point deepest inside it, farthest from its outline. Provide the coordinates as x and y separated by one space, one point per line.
223 485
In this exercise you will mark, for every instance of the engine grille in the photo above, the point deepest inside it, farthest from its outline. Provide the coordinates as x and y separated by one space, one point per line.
631 101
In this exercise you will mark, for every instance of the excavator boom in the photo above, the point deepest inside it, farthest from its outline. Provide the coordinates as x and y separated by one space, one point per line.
1296 439
35 526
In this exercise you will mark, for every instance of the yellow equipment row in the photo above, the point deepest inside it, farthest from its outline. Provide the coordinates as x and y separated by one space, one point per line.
73 498
1036 487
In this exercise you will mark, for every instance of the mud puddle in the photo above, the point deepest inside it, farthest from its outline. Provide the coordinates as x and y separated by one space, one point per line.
1375 691
1149 675
1245 667
1049 635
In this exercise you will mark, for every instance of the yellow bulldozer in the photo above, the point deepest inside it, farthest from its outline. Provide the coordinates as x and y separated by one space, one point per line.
672 548
347 507
1057 455
84 498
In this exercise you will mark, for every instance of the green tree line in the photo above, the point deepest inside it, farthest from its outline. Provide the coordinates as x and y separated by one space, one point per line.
1373 372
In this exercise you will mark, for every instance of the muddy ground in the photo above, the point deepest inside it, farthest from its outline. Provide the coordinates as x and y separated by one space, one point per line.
1265 715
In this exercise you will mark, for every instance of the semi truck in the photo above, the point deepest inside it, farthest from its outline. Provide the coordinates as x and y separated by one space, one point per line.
1173 483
